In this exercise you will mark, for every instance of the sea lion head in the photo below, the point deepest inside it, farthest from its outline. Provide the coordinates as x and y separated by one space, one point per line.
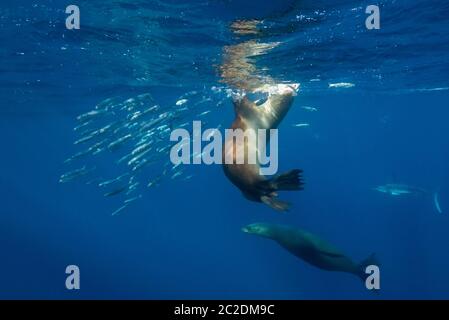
260 229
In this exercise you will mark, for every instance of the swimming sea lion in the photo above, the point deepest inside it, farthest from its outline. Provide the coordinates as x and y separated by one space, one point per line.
310 248
240 71
246 176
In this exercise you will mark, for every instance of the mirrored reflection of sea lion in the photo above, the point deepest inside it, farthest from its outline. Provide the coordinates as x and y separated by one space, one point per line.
311 249
240 72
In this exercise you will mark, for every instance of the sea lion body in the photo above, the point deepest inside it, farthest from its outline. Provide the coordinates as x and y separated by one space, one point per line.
310 248
246 176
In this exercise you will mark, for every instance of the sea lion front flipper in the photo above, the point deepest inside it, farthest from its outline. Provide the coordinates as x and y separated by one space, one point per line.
269 114
331 253
245 108
279 101
324 248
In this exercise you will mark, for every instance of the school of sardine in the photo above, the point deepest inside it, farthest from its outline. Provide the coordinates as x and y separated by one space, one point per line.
134 135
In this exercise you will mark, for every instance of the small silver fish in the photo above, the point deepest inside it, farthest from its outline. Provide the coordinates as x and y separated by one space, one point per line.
94 134
77 155
97 147
117 143
124 158
105 104
111 181
188 94
136 158
154 182
141 148
184 124
140 165
91 114
311 109
163 149
82 125
69 176
299 125
204 113
99 150
344 85
127 201
145 96
176 166
180 102
134 185
176 174
119 210
132 188
115 191
162 127
84 139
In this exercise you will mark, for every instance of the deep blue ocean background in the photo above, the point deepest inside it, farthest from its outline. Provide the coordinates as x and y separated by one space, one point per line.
183 239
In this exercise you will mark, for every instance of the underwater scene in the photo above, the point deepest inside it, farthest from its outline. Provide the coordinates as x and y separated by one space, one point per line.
224 149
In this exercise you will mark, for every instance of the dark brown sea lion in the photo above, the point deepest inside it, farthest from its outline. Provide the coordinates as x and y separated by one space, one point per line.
311 249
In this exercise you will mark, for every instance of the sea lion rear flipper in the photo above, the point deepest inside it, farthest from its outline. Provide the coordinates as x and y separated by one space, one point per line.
290 180
275 203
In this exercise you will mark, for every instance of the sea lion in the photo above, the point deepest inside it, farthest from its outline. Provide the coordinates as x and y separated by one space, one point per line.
240 71
246 176
310 248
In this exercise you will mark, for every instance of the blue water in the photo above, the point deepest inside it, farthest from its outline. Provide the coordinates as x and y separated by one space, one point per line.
183 238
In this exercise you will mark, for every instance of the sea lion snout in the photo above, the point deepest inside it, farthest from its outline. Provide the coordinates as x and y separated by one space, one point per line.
250 229
260 229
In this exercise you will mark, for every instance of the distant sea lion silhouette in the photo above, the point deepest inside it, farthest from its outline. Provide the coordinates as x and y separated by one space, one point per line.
246 176
310 248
